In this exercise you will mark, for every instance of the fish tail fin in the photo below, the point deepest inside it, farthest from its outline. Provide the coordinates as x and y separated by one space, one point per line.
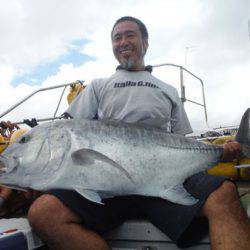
243 135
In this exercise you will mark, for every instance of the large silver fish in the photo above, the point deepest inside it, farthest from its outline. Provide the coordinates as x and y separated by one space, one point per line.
101 160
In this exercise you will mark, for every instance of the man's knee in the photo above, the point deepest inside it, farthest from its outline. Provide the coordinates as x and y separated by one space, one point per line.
47 210
223 199
42 210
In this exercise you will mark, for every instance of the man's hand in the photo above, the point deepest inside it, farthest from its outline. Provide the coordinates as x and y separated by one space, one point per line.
32 194
232 149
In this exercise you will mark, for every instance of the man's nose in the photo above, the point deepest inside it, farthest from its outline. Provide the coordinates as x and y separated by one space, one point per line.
123 41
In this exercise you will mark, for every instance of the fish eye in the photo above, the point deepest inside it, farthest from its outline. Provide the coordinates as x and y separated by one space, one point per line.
24 139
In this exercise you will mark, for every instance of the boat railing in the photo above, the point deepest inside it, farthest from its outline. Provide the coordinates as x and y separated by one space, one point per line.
34 93
182 87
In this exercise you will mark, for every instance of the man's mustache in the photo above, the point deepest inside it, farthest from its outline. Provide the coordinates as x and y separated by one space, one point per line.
125 47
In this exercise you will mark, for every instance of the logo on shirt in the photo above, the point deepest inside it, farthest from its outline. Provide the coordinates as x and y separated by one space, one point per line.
134 84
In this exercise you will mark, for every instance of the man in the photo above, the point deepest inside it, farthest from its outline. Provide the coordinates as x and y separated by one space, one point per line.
65 220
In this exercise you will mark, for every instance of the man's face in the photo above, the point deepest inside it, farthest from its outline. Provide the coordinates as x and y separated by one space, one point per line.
128 45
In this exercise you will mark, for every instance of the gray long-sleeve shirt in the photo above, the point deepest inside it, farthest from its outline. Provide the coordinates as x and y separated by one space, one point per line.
133 97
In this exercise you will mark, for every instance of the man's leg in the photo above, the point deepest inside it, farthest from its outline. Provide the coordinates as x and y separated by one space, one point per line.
60 228
229 225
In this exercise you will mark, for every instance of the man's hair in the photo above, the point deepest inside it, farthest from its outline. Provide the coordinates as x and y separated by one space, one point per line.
141 25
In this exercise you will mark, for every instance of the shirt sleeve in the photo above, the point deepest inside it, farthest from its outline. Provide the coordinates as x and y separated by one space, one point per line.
85 105
179 120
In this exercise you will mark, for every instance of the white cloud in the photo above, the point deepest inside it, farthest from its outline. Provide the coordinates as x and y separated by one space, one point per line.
6 75
41 31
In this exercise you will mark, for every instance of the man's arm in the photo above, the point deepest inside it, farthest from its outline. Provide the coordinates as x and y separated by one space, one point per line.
85 105
180 123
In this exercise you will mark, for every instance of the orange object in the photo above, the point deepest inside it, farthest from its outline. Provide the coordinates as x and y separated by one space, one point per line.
75 89
16 134
9 231
3 143
244 172
228 168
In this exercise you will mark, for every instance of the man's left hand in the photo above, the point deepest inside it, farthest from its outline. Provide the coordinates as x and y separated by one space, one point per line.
232 149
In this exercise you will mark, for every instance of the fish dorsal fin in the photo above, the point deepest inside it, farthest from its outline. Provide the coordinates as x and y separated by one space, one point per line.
243 135
87 157
90 195
178 194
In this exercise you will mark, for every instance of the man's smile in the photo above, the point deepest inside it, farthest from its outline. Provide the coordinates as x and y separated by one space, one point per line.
126 52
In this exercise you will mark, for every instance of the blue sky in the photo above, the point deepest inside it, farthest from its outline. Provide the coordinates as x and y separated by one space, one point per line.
42 71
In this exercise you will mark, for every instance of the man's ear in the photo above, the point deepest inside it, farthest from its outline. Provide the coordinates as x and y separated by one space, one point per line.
145 43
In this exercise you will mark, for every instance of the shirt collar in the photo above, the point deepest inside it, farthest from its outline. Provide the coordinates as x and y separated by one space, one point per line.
148 68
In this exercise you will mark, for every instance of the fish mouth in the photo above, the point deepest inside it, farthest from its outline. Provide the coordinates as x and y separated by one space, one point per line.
2 167
7 164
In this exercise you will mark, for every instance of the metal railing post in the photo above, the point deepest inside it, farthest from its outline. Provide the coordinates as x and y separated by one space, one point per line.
183 96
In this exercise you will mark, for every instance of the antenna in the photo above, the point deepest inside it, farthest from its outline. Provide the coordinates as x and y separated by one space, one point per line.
187 49
249 28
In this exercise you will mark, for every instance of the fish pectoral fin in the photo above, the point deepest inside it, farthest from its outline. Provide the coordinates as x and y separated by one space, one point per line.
15 187
90 195
178 194
87 157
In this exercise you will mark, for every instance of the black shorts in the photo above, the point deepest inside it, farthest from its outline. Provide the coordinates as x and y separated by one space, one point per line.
180 223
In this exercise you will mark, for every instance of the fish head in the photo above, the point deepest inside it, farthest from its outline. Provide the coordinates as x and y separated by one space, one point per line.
33 156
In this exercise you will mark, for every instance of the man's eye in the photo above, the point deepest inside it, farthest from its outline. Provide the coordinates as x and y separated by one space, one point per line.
116 38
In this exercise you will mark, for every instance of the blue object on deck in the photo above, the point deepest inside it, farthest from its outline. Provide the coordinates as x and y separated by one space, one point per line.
15 241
